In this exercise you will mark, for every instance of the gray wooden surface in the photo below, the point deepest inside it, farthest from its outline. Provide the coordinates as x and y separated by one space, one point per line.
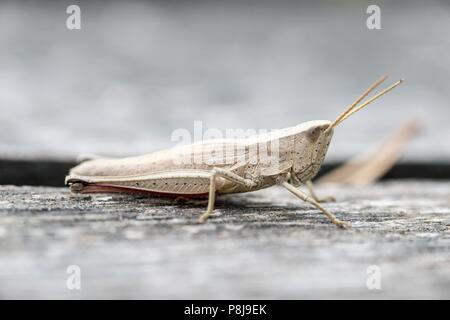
262 245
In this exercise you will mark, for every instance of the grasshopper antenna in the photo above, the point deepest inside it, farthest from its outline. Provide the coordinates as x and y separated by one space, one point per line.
382 93
353 109
369 90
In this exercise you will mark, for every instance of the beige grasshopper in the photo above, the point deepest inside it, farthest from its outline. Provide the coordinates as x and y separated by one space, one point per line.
223 166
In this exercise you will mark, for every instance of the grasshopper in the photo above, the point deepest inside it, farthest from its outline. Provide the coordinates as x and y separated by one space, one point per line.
299 153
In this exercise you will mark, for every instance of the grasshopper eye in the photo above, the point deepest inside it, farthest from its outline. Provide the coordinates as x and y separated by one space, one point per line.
313 134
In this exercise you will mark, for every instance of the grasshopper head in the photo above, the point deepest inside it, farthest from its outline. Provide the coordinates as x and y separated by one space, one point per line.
311 150
319 132
319 137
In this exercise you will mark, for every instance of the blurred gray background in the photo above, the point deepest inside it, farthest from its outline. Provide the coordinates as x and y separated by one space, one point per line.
136 71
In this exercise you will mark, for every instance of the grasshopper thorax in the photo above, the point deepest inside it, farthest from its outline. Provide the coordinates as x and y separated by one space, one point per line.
310 150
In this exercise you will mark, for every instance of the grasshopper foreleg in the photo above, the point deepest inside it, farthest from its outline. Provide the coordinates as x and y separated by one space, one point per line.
313 194
310 200
219 172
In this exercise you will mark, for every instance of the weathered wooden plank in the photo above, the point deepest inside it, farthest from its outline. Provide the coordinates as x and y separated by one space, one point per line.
263 245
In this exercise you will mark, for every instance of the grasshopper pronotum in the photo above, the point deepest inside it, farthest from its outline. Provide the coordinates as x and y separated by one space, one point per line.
300 152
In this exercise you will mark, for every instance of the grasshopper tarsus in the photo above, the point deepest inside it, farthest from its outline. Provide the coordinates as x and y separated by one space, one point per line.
204 216
342 224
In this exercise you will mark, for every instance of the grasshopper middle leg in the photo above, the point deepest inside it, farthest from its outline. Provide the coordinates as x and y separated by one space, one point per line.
308 199
219 172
